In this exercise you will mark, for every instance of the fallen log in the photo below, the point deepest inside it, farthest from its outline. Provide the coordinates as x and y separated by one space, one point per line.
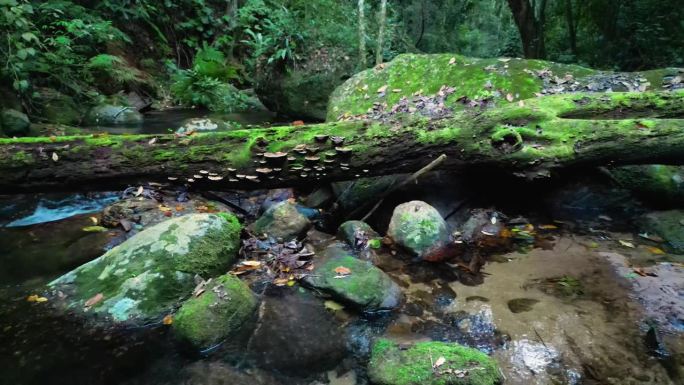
531 138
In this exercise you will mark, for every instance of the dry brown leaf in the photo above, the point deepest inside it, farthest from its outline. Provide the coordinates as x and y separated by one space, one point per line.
168 319
342 270
94 300
440 361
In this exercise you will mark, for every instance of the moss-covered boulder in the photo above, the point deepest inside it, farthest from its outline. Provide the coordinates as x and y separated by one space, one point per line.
282 220
53 106
303 91
418 227
110 114
14 123
220 312
477 79
358 235
353 281
659 184
146 276
668 225
391 365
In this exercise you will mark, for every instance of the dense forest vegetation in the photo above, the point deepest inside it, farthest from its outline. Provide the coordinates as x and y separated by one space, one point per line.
68 55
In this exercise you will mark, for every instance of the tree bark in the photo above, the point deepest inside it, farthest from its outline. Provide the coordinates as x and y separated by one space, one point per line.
531 139
382 19
530 26
362 36
572 32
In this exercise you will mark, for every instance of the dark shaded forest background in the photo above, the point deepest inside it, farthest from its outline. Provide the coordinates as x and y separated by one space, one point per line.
207 52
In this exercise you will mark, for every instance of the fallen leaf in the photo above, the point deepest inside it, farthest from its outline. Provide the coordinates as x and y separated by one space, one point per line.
342 270
548 227
94 220
94 300
94 229
164 208
36 298
521 104
168 319
332 305
152 141
509 97
251 263
139 191
452 60
440 361
281 281
655 250
626 243
168 214
179 208
55 157
298 123
382 89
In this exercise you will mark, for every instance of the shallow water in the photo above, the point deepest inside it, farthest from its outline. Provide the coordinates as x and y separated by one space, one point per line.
168 121
572 312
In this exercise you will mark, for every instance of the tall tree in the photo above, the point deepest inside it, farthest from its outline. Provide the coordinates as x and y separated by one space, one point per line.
530 22
362 36
381 32
572 27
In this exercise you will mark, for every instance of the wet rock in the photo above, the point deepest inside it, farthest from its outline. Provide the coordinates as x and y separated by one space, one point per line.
320 197
358 235
418 227
391 364
128 209
201 125
14 123
220 311
110 114
219 373
668 225
521 305
362 191
145 277
659 184
296 334
282 220
354 281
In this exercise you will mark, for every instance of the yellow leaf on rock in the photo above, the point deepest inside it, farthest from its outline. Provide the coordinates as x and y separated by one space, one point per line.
168 320
655 250
36 298
626 244
332 305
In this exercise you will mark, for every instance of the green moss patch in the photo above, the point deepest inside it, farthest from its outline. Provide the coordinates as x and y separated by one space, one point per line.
390 365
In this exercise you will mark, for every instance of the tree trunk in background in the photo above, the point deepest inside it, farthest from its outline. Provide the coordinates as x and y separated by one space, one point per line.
531 140
530 26
381 32
362 36
572 31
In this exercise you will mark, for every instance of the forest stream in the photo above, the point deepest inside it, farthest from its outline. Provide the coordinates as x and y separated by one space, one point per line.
341 192
571 293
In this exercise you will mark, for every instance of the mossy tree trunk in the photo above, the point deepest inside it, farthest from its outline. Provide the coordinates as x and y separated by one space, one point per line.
531 138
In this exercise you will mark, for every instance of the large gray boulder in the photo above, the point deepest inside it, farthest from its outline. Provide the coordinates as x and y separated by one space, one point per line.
109 114
144 278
